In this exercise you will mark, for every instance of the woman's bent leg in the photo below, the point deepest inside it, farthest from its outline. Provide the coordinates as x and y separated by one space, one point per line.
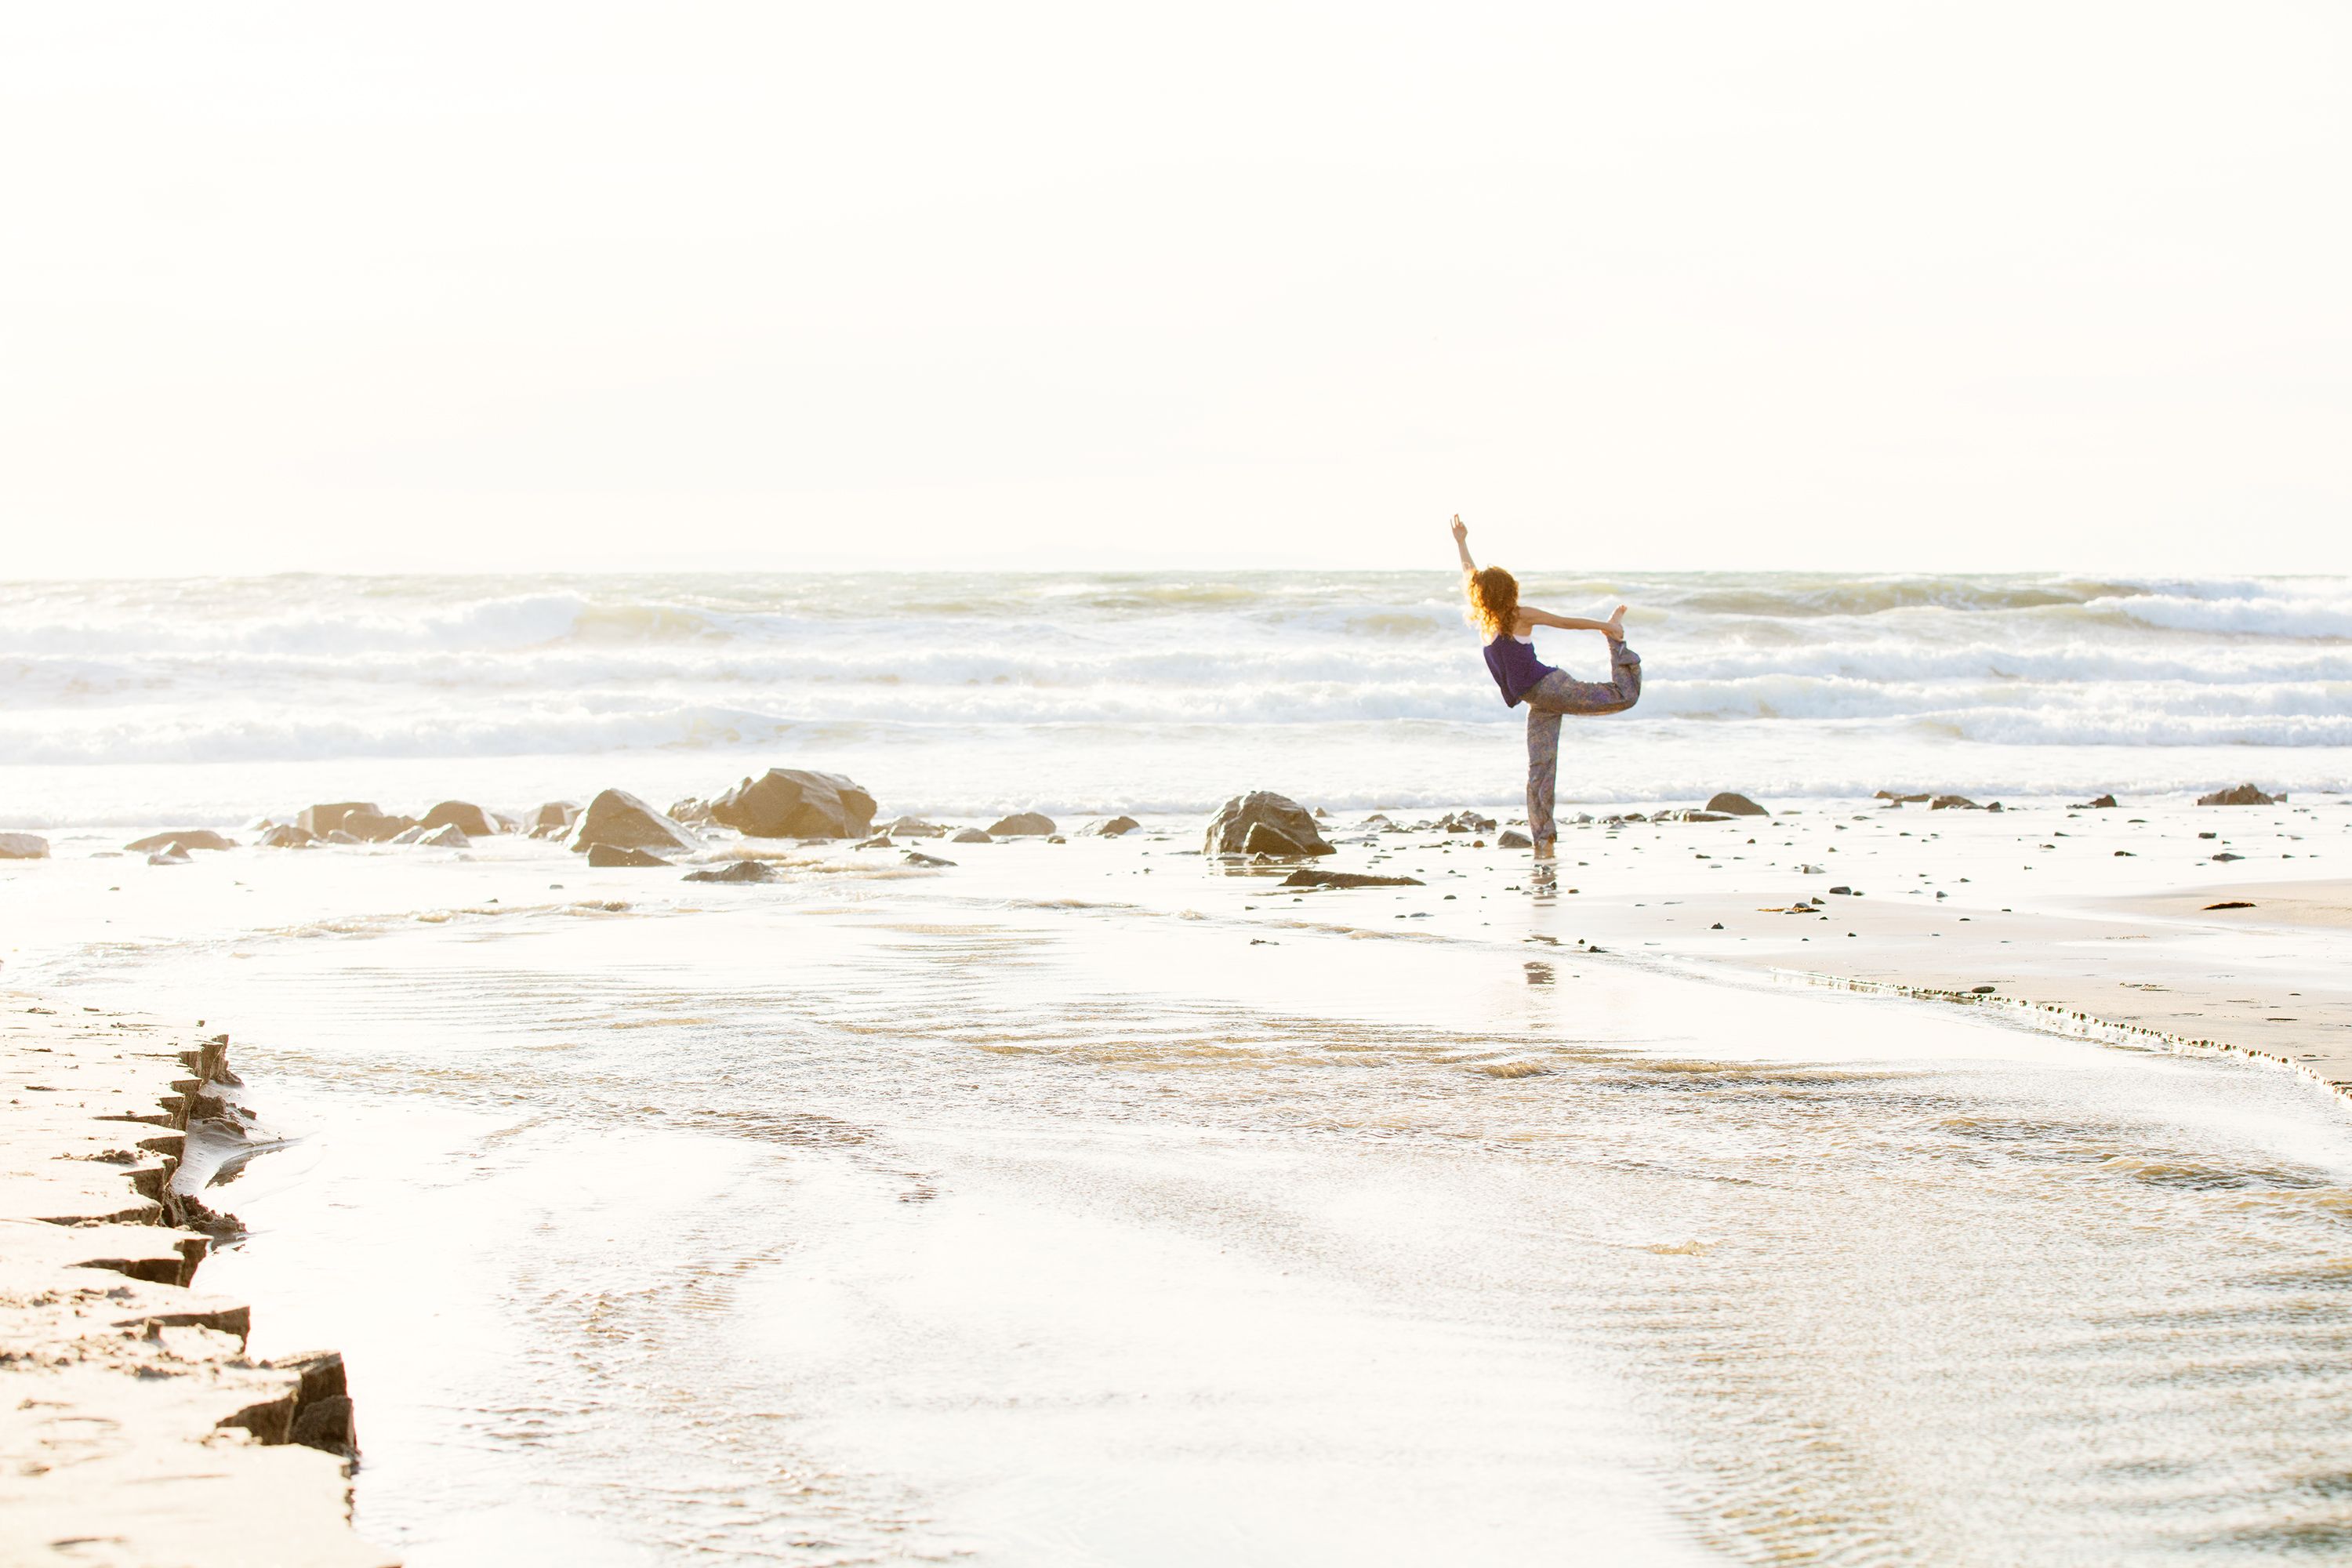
1614 695
1543 771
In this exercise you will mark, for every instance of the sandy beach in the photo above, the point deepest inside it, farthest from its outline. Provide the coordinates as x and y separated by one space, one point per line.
1020 1204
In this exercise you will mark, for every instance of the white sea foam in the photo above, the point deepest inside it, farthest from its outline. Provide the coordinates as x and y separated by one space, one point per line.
1134 687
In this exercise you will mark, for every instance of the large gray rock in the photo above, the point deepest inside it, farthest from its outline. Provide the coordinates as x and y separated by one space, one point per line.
1279 823
796 803
23 847
1022 825
321 820
2242 795
184 838
463 816
1731 803
621 821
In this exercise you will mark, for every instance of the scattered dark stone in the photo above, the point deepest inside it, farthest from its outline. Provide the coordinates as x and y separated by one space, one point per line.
796 803
186 839
1733 803
619 820
464 816
2105 803
2123 855
916 857
321 820
607 854
2230 904
2240 794
1899 799
969 835
1056 839
1982 990
1230 830
1312 876
2225 855
736 871
1953 803
1841 888
1022 825
1465 822
1717 926
2208 835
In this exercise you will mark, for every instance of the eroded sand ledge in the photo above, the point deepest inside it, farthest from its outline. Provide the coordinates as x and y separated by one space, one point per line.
134 1429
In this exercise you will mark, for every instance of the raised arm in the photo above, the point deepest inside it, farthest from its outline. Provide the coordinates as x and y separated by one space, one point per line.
1462 543
1614 627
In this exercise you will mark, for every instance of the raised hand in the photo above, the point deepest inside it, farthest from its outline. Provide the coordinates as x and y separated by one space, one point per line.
1461 529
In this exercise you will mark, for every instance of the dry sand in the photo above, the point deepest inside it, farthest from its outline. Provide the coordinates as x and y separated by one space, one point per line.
2104 913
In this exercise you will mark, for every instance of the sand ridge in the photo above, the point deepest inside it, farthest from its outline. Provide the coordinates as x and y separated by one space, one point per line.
134 1428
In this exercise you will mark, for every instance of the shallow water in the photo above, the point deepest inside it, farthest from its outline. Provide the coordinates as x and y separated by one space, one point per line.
1043 1215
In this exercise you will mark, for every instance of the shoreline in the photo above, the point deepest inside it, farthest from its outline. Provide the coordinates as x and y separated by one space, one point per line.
137 1428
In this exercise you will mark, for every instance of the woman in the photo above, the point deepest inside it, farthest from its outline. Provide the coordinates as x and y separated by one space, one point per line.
1496 611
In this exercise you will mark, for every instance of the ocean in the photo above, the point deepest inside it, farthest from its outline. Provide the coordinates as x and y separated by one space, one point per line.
975 693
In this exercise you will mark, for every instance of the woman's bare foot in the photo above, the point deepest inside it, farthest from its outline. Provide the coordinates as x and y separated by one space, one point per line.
1545 852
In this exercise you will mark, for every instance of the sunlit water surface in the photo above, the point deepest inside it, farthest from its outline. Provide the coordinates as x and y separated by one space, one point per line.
870 1219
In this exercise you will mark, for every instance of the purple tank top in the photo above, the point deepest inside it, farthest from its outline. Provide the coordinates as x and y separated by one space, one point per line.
1515 667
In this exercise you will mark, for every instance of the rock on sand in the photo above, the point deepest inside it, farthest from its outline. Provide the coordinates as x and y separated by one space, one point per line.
1309 876
184 838
1264 823
321 820
1109 827
619 820
740 871
23 847
613 855
2243 795
1731 803
971 835
795 803
463 816
1022 825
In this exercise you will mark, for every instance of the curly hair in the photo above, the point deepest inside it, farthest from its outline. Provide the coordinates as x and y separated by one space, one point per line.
1494 601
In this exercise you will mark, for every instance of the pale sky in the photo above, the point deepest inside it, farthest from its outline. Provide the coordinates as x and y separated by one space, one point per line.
1877 285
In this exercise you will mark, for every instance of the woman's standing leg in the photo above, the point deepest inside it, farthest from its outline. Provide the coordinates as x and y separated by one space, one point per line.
1554 696
1543 771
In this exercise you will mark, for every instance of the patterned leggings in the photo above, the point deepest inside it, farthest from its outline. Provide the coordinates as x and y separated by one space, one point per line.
1554 695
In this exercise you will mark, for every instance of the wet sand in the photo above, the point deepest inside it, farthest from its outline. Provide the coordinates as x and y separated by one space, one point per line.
1092 1201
